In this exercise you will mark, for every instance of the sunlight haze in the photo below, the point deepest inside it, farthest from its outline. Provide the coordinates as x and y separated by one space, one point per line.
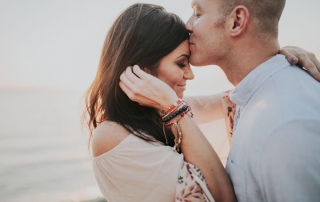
57 44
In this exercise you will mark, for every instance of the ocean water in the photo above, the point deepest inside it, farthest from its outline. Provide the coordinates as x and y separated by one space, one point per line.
43 148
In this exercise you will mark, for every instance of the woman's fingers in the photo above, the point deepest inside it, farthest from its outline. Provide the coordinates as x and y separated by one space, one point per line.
292 59
131 76
316 71
310 63
124 88
302 58
140 73
124 79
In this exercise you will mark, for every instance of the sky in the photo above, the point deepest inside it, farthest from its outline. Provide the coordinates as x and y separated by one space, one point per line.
56 44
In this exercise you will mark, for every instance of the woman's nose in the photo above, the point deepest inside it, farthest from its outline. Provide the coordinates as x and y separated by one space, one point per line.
188 74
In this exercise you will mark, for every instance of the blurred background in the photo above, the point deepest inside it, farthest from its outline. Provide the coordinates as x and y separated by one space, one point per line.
49 52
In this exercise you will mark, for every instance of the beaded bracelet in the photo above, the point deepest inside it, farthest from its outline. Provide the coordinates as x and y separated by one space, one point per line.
188 111
177 143
171 108
176 113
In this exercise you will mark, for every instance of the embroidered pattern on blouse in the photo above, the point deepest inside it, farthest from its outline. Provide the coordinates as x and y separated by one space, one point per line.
191 185
231 108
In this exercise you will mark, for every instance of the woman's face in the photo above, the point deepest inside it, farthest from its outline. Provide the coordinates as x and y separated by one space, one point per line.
174 68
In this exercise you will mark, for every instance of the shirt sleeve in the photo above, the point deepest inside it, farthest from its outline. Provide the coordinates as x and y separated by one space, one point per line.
290 163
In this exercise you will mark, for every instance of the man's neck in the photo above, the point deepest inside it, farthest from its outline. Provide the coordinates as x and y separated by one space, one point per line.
246 57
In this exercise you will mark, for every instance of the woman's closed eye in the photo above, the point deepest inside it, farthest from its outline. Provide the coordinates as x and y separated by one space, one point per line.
182 65
183 61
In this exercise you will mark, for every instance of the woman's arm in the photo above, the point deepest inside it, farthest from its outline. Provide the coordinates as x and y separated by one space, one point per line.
150 91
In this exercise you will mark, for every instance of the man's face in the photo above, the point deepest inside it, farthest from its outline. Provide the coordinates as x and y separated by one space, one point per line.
208 40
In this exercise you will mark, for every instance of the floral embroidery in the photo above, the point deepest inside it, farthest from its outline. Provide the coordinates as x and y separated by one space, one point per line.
180 179
231 109
191 185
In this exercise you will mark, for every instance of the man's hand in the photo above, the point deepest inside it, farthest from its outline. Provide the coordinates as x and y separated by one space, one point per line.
298 56
146 89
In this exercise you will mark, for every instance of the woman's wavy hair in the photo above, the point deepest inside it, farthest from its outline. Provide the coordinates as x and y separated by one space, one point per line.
143 34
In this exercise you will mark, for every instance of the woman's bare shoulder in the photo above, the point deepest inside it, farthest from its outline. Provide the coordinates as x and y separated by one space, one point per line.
106 136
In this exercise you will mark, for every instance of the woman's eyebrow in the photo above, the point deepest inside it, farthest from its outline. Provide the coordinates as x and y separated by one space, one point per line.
187 56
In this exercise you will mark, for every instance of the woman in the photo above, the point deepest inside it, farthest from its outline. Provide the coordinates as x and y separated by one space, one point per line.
133 155
131 159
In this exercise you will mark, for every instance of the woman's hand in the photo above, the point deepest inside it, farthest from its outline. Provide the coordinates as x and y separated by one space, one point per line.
298 56
146 89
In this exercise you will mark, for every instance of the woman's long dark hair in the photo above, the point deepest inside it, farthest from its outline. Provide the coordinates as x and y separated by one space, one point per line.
143 34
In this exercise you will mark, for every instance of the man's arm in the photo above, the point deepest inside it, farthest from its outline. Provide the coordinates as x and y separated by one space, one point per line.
290 163
206 108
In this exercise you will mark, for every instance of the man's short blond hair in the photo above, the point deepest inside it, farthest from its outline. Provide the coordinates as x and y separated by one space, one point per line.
266 13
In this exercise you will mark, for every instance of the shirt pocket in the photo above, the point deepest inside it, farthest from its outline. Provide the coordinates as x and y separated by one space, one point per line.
238 178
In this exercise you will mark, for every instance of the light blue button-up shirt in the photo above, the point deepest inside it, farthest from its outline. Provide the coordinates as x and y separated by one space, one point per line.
275 152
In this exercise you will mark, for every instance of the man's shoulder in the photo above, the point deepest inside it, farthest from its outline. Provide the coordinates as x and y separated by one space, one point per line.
294 79
295 93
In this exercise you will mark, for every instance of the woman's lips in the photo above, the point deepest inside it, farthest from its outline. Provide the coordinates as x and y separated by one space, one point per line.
182 86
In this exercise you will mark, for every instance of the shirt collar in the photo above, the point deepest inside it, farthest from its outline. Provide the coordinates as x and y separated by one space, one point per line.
248 86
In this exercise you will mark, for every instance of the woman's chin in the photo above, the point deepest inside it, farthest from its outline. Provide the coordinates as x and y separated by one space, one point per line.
180 95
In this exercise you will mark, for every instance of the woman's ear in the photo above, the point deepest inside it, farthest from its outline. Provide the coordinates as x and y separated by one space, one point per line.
146 70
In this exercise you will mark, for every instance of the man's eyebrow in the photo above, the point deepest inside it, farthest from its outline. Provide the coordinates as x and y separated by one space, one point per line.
187 56
195 4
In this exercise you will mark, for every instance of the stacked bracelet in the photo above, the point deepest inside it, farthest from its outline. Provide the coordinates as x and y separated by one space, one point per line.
171 108
170 113
176 113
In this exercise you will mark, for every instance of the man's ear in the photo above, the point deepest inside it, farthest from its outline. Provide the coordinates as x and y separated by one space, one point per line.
238 20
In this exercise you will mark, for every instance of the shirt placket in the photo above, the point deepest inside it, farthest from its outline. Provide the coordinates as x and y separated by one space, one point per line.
237 117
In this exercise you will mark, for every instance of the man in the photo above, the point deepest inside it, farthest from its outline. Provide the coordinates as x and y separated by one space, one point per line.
276 140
